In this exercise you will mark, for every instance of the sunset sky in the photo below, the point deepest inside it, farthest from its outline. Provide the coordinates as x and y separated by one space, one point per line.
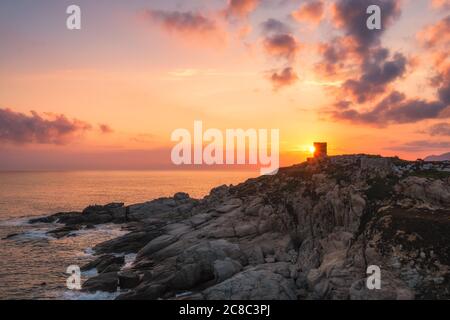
109 95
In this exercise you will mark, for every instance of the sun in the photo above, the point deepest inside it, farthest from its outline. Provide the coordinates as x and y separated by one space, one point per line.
312 149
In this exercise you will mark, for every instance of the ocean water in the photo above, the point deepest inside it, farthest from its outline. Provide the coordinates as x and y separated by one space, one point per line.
32 264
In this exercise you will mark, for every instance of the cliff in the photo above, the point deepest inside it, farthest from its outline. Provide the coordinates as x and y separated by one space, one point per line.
309 232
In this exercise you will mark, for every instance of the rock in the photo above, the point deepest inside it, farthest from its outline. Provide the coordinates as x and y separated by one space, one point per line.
93 215
218 193
173 208
128 243
9 236
190 275
270 259
112 268
434 192
181 196
196 265
63 231
244 230
281 268
226 208
107 282
308 232
103 262
128 280
224 269
302 281
376 166
253 208
156 245
388 291
253 285
144 292
109 261
97 209
255 255
313 278
60 217
114 205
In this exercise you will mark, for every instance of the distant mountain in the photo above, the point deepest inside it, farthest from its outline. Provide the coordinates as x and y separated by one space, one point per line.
442 157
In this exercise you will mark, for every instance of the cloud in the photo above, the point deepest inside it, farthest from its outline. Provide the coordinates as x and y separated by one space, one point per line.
342 105
104 128
395 108
272 26
440 4
310 12
370 69
437 34
377 74
420 145
351 16
19 128
181 22
335 56
284 77
281 46
439 129
357 43
444 90
241 8
436 39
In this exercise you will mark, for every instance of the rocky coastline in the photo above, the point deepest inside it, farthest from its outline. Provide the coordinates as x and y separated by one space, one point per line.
309 232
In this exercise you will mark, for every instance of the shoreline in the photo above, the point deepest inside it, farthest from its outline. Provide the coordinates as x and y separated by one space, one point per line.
308 232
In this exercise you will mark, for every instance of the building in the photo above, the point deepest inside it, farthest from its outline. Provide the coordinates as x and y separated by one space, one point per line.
320 150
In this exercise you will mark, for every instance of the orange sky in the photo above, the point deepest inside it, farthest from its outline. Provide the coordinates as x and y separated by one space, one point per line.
139 70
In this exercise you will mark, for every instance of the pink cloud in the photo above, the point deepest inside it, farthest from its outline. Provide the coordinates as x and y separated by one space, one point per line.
281 46
181 22
241 8
436 34
283 78
19 128
310 12
440 4
104 128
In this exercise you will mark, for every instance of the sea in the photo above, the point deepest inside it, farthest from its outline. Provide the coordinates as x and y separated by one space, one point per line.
33 264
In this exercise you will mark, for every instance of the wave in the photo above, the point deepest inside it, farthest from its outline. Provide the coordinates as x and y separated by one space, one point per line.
99 295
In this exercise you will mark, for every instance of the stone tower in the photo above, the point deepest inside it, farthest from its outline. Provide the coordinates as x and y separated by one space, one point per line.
320 150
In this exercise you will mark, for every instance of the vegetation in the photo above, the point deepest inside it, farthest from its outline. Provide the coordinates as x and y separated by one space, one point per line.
381 188
432 174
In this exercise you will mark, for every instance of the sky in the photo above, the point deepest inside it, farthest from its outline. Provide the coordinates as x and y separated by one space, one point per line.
109 96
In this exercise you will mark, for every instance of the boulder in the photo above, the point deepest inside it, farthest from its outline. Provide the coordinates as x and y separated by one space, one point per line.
103 262
181 196
112 268
129 243
128 280
156 244
253 285
224 269
107 282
